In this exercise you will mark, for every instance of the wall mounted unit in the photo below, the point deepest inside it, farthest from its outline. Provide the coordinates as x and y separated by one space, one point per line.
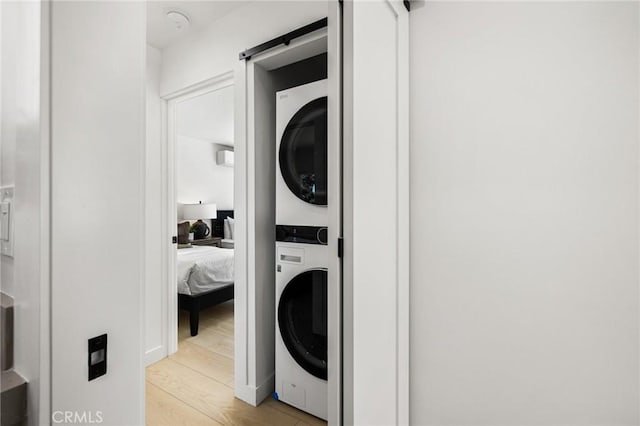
224 158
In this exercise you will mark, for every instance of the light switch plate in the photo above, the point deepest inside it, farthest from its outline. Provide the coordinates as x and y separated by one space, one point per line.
97 356
6 221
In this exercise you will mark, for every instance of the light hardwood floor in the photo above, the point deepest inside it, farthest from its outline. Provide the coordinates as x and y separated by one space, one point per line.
195 385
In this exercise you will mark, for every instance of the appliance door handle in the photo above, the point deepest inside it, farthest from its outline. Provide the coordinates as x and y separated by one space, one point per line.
289 258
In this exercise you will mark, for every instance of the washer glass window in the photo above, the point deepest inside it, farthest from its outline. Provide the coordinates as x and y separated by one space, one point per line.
303 153
302 318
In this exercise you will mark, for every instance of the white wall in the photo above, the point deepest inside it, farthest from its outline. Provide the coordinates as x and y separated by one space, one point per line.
199 178
524 184
215 50
24 164
208 116
155 334
98 139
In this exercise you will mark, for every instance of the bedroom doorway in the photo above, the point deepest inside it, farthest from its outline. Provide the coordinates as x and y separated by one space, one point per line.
199 203
198 212
203 147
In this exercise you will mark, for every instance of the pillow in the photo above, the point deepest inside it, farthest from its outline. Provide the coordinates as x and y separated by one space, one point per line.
231 228
183 233
227 230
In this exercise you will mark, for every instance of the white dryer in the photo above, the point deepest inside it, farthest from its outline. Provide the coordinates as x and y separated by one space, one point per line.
301 326
301 155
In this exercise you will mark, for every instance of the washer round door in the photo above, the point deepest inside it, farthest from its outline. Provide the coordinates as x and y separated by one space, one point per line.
303 153
302 317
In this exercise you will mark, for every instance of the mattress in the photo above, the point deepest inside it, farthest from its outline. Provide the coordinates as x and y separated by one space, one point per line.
204 268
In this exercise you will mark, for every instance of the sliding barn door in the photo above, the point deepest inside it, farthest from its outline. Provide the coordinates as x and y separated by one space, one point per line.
376 212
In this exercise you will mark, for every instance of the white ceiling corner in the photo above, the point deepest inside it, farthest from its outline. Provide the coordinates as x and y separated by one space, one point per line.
161 32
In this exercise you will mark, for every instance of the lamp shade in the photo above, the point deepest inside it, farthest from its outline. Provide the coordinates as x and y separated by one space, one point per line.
199 211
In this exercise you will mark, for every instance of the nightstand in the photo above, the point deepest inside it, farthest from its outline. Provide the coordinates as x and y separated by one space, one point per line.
215 242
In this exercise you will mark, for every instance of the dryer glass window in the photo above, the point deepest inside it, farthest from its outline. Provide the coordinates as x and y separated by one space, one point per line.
303 153
302 317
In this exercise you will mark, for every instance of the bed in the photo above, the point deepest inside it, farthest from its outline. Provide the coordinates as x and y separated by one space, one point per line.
205 279
205 273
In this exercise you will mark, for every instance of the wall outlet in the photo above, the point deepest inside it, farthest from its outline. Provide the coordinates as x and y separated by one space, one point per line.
6 221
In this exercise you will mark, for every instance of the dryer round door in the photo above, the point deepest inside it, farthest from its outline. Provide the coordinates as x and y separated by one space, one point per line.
302 318
303 153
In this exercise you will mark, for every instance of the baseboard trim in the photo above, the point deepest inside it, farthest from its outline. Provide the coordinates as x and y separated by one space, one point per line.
154 355
266 389
245 393
254 395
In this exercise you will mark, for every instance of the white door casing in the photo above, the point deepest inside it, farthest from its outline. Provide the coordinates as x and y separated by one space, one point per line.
334 203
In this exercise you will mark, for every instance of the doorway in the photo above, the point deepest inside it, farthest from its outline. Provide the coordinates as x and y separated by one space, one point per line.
199 195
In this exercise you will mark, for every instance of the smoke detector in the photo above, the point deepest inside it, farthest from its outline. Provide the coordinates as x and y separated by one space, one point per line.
178 19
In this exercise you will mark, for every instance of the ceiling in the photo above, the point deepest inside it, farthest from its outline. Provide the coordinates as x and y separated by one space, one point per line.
161 32
208 117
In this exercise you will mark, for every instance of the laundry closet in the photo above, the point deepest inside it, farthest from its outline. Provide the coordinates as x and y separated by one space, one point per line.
326 223
289 98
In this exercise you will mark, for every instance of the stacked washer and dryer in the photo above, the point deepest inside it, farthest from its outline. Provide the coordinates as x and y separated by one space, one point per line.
301 247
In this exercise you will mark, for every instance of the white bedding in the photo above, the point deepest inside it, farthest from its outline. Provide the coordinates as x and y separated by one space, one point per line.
204 268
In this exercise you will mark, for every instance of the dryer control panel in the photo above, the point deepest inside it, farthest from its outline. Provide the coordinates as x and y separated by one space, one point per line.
302 234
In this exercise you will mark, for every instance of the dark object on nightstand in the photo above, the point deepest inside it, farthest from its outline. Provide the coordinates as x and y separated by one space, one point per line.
200 230
183 233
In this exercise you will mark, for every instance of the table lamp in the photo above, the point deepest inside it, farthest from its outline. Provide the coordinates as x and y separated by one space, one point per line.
198 212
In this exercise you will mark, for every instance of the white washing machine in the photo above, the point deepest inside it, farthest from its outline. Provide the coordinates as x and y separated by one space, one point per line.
301 155
301 326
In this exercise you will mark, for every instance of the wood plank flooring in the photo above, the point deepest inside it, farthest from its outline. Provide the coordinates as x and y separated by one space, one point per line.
195 385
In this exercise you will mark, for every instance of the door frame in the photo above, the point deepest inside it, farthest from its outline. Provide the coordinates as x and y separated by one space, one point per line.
251 387
335 306
169 195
